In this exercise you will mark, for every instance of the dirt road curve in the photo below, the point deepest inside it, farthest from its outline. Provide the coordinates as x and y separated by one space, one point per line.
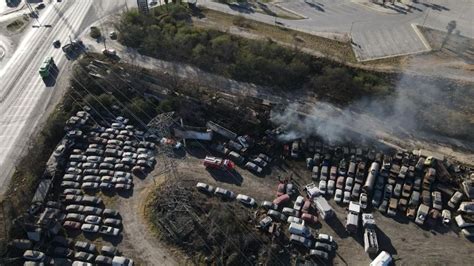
137 237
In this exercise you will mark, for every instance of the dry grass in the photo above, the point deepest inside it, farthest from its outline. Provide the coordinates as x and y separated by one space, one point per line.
341 51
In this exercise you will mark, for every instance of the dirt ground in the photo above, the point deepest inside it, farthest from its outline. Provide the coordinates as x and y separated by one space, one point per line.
138 240
409 243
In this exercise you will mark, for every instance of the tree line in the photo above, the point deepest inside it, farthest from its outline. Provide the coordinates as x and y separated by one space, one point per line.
167 33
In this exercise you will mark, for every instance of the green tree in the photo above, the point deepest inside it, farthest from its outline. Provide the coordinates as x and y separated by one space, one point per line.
95 32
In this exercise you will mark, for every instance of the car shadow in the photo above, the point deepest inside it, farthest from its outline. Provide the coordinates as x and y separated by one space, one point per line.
241 8
125 193
91 236
197 152
109 193
114 240
337 226
385 243
50 80
267 10
316 6
231 176
400 218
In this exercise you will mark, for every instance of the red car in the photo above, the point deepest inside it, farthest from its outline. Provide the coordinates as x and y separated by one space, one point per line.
281 189
218 163
281 199
72 225
306 206
309 218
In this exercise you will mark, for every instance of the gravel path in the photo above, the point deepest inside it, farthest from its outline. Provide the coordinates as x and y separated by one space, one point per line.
137 236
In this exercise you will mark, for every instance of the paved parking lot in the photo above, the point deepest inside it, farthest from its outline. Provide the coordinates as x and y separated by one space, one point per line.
386 42
377 31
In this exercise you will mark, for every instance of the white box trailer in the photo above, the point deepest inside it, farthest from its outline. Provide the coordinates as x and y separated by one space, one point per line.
371 244
383 259
324 209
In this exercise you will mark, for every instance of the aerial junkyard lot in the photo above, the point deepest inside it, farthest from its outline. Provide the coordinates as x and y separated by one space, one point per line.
269 189
231 189
67 208
246 199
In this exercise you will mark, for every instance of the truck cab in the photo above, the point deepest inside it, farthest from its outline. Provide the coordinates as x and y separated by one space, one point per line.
46 67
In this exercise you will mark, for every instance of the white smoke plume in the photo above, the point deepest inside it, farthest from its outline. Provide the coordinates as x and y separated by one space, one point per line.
432 109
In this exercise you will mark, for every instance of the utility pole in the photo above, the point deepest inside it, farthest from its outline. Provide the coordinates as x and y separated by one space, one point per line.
33 12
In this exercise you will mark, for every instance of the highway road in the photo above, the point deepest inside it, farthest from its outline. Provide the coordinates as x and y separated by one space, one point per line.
24 96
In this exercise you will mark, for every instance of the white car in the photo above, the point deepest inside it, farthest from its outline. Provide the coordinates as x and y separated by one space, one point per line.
224 193
363 201
293 219
90 228
110 52
323 187
290 212
108 230
324 238
203 187
269 205
244 199
331 186
90 185
91 178
93 219
33 255
298 203
437 200
122 261
446 214
349 184
338 196
347 197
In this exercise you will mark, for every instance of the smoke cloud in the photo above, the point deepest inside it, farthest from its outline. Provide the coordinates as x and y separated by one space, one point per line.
428 108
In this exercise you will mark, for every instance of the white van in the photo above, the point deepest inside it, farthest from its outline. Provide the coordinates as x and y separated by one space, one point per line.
299 229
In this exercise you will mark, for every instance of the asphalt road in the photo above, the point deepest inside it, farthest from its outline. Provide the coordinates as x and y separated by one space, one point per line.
24 96
376 32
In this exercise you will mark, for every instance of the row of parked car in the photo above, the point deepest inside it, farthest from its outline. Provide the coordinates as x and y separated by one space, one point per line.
322 246
398 184
63 251
107 167
92 158
256 164
226 194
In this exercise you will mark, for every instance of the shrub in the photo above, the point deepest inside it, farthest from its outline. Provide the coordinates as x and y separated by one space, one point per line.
240 21
95 33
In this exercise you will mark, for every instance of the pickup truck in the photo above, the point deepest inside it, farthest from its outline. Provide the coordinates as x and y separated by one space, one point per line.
218 163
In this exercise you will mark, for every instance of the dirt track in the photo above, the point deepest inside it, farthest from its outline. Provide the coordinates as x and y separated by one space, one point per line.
137 238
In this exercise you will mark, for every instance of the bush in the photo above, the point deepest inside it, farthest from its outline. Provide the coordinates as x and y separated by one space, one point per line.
95 33
240 21
169 35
